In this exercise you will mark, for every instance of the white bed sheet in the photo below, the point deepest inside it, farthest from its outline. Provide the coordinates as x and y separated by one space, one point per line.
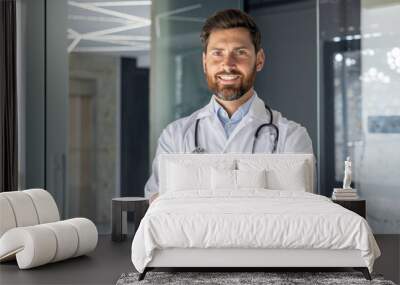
252 218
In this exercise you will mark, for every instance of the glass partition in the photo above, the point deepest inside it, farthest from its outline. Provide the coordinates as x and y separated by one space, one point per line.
178 86
360 103
379 152
96 104
108 55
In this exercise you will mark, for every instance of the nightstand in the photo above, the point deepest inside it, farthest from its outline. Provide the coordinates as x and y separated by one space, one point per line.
358 206
137 205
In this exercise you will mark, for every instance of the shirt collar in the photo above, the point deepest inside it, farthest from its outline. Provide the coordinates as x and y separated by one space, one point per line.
256 109
239 113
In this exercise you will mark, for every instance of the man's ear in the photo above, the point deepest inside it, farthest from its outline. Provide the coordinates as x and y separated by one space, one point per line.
204 62
260 59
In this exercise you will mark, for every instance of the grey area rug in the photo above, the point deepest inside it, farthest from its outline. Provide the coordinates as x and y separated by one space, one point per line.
273 278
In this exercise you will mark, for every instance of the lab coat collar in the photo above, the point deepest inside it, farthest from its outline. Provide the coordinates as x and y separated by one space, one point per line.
257 110
206 111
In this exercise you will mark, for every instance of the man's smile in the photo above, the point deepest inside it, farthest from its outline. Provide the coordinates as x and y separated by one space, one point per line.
228 79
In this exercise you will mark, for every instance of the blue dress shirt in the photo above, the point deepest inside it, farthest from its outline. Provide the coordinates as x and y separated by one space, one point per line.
230 124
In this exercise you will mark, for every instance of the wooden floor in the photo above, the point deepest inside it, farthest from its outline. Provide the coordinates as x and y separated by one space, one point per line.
110 260
102 266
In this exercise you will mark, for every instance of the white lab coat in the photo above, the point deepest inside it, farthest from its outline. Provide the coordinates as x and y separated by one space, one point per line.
178 136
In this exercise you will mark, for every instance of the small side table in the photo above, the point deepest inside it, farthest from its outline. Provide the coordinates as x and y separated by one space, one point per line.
138 205
358 206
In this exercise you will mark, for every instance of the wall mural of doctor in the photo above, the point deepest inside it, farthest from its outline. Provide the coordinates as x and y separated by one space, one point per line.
235 120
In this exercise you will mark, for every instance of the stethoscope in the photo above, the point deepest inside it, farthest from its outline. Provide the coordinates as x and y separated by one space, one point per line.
198 149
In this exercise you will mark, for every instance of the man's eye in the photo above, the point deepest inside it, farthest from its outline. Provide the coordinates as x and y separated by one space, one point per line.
241 52
216 53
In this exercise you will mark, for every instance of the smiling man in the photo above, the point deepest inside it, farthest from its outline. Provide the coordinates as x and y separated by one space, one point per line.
236 119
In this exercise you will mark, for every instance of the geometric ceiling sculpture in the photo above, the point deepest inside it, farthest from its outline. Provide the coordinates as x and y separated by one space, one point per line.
109 26
118 26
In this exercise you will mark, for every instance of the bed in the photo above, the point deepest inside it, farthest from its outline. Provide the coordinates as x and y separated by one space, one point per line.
246 211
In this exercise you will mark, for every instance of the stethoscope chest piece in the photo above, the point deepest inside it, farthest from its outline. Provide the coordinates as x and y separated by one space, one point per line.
199 150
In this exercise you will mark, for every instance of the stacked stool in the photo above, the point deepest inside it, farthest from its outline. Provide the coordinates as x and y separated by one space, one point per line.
31 231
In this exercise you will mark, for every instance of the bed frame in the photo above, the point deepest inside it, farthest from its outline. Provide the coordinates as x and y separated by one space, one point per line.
242 259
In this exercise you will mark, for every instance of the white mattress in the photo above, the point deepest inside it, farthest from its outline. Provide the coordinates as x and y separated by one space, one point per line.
250 219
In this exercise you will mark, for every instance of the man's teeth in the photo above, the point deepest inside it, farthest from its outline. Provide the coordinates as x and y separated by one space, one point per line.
228 77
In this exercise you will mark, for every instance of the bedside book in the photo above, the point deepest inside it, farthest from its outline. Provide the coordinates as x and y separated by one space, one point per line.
341 190
344 194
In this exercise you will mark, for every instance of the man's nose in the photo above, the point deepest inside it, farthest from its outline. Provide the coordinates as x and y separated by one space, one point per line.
229 62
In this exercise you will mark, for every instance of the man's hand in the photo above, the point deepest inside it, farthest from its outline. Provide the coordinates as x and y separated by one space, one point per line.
152 198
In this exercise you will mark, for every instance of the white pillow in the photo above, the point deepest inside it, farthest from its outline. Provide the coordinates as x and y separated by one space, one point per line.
294 178
237 179
223 179
183 176
251 178
281 174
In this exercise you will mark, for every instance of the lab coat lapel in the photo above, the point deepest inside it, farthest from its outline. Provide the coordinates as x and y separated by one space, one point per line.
218 133
257 111
219 129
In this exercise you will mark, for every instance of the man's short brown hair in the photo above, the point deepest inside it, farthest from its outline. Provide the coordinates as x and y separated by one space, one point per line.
230 19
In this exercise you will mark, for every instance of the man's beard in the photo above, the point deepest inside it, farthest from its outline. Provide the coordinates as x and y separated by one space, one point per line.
230 92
